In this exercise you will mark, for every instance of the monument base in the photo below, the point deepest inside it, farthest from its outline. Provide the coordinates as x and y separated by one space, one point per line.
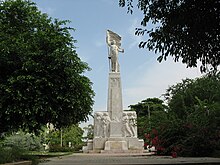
115 145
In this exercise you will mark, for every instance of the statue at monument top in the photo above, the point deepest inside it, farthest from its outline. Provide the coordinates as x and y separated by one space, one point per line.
114 47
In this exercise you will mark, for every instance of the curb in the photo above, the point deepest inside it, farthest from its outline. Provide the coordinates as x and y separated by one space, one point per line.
19 163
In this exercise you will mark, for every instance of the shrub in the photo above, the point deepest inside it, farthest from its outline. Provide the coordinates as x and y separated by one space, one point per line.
58 148
23 141
10 154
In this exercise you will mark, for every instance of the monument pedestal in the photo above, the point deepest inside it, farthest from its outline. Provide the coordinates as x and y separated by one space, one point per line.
115 145
115 131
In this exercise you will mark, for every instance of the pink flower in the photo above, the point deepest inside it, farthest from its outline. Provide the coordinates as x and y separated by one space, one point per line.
155 141
174 155
145 144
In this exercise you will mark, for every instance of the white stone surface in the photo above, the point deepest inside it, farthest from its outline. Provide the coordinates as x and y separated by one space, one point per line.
129 120
135 143
116 145
99 143
114 105
101 124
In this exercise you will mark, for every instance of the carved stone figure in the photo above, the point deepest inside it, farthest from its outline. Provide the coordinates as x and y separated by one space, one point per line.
98 125
114 45
105 122
126 128
133 124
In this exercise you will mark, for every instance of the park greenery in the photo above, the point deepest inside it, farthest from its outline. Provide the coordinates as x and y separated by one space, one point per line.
150 112
20 145
67 139
41 75
183 29
190 123
41 81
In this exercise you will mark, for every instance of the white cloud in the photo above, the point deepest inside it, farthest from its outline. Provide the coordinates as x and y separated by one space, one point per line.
154 82
50 11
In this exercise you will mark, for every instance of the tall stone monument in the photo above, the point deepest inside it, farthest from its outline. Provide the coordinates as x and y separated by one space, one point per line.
115 130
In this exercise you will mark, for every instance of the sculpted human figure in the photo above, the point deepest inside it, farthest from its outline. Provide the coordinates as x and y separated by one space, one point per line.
98 125
105 121
114 47
113 56
126 128
132 124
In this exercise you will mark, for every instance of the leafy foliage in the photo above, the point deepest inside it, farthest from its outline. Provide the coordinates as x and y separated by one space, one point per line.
15 147
194 112
190 125
71 134
184 29
41 75
89 131
150 114
10 154
185 97
27 142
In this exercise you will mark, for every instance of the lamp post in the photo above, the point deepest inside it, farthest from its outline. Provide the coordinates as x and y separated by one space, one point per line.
148 110
61 138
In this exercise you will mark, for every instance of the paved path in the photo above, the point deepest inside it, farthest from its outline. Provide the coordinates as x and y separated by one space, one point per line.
122 159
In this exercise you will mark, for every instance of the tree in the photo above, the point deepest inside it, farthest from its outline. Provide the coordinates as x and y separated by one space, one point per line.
183 98
69 135
194 115
184 29
89 132
151 112
73 134
41 75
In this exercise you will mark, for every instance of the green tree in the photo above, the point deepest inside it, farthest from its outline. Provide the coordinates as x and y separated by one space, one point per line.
23 141
73 134
89 131
41 75
184 29
151 113
194 117
183 98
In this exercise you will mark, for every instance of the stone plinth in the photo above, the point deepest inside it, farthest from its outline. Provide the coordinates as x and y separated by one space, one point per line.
115 137
115 145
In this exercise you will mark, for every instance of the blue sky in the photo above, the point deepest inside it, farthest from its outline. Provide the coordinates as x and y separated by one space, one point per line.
142 76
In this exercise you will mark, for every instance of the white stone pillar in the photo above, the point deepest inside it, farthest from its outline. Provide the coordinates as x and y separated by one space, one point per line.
115 106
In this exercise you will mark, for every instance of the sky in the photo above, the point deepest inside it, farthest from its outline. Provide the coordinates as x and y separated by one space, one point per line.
142 75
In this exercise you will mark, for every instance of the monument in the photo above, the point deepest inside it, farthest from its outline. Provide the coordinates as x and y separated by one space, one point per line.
115 131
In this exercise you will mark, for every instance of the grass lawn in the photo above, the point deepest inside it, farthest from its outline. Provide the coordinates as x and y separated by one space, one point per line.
38 157
45 154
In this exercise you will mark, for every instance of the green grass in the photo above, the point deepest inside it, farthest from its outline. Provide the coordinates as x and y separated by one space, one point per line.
44 154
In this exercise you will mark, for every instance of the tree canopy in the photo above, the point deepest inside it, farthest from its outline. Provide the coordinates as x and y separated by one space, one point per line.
190 123
190 94
41 75
72 134
150 113
194 117
183 29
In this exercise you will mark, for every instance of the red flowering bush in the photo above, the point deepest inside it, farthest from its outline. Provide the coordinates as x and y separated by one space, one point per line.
152 140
